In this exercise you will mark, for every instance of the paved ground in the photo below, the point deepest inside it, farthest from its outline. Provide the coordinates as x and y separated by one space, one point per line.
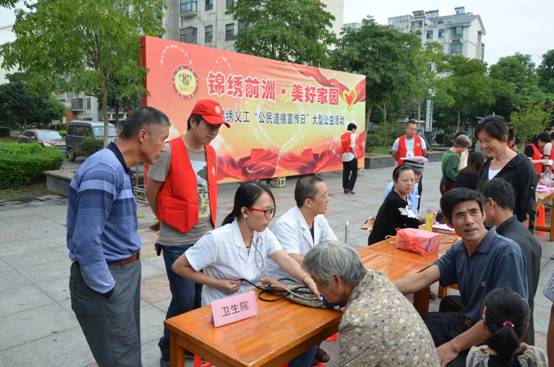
37 325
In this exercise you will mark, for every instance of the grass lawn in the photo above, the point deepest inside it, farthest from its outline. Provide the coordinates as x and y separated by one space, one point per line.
380 151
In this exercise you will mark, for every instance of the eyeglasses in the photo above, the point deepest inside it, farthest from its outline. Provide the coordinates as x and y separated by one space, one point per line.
269 213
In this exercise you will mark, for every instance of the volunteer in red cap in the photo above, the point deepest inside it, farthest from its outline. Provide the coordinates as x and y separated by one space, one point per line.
182 192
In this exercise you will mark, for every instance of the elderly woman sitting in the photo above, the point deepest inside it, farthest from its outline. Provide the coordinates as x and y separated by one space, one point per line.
379 326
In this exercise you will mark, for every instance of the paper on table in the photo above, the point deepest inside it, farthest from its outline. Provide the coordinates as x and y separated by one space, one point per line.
443 228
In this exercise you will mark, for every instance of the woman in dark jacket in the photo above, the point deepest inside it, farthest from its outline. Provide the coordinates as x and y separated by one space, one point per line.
492 133
395 212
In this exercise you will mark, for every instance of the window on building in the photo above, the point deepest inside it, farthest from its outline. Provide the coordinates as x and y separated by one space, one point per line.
229 3
188 34
457 32
441 33
187 6
208 34
456 49
89 104
230 32
429 35
209 5
479 35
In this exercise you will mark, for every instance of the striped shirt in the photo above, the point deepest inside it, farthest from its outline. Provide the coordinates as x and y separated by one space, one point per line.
101 217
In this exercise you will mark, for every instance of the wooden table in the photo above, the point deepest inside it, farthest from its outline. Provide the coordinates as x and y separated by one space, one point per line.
283 330
544 198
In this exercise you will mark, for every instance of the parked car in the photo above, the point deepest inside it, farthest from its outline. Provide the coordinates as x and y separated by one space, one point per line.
79 130
46 138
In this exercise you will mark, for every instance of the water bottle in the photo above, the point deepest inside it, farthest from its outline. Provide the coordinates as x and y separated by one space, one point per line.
429 220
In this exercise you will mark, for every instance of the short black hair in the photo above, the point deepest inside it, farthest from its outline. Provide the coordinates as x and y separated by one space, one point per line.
499 190
411 122
399 169
305 189
142 118
351 126
196 118
458 195
544 137
493 125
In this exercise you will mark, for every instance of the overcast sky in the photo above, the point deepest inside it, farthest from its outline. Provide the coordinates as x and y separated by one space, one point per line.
511 25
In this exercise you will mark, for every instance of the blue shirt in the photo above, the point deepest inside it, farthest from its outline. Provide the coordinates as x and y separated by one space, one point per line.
496 263
413 197
101 217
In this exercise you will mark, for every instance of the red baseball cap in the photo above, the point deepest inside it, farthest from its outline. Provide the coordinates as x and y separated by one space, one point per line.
210 111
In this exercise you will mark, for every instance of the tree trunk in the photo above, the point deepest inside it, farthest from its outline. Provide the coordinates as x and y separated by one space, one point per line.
368 116
104 96
458 127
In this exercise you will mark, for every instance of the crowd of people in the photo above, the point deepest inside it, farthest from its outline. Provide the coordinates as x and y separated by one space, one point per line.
489 204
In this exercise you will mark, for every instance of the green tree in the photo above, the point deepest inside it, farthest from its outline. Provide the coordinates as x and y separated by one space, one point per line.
469 87
20 104
288 30
84 45
546 72
388 59
8 3
530 119
519 72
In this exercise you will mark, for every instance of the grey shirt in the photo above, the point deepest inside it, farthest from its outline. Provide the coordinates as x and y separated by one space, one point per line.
496 263
158 172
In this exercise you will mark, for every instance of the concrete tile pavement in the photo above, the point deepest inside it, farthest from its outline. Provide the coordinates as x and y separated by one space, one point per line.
38 326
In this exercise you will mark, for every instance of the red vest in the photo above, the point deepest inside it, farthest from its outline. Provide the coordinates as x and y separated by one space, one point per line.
178 196
536 155
402 151
345 142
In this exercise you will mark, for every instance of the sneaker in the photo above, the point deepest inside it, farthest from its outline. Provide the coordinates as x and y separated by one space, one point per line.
351 192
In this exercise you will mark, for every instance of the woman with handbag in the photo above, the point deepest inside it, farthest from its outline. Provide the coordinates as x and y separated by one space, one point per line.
395 212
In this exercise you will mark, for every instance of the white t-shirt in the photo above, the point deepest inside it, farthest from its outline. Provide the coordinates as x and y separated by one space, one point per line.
294 235
493 173
222 254
348 156
547 149
409 146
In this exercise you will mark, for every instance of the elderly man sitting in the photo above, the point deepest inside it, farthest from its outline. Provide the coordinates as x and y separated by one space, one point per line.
379 326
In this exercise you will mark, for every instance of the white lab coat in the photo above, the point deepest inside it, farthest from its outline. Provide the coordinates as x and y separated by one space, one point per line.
294 235
222 254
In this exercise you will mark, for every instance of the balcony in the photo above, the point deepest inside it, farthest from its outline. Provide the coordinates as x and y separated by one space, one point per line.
188 9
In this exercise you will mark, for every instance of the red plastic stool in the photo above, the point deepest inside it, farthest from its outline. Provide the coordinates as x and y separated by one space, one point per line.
199 363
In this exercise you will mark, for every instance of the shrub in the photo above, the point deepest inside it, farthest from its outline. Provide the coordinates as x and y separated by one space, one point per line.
383 135
22 164
91 145
4 131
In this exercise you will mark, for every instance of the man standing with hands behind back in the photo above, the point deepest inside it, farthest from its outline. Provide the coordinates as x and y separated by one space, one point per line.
349 160
182 192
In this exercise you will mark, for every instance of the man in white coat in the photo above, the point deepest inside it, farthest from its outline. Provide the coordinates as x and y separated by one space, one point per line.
303 227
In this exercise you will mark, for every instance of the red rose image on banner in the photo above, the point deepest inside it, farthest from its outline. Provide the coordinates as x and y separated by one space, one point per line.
309 162
261 163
